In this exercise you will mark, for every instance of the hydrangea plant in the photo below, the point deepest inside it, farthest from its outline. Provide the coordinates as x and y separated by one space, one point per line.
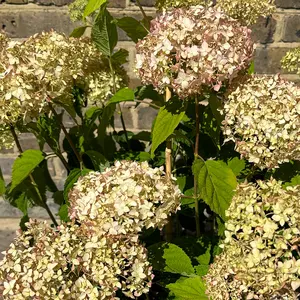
232 147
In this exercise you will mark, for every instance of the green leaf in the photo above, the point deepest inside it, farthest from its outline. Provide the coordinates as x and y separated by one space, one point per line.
167 257
125 94
24 165
201 270
181 182
98 160
133 28
216 182
251 69
168 118
72 178
63 213
236 165
23 221
78 32
104 32
190 288
58 197
148 92
144 156
120 57
92 6
294 181
2 184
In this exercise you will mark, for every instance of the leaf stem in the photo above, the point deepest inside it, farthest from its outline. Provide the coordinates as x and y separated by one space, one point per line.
141 9
168 157
119 106
65 132
148 103
13 132
196 155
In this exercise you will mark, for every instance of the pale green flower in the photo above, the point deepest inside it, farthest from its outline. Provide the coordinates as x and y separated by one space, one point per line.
261 263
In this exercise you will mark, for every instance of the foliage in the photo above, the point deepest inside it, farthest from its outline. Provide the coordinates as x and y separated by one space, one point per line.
200 191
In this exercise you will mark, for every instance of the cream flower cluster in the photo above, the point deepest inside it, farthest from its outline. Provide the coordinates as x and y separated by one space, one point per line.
291 61
262 116
187 49
124 199
47 65
245 11
260 259
99 86
76 9
70 263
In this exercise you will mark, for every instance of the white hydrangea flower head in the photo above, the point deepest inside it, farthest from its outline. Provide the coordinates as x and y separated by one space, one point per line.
262 116
124 199
76 9
260 258
6 138
246 12
187 49
291 61
99 86
69 263
46 65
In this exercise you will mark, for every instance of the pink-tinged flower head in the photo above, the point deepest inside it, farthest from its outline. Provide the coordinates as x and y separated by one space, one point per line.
124 199
188 48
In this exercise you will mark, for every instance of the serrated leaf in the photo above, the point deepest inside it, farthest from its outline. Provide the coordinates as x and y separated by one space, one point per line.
294 181
120 57
133 28
92 6
168 118
104 32
125 94
63 213
71 179
2 184
98 160
24 165
168 257
236 165
190 288
78 32
216 183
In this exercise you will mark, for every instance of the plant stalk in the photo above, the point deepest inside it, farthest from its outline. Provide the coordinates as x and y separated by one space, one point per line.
13 132
141 9
168 157
119 106
196 153
66 133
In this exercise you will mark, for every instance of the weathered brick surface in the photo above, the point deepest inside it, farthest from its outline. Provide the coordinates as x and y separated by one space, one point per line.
288 3
263 31
292 29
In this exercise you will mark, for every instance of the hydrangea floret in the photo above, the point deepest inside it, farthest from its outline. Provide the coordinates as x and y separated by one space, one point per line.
187 49
260 259
71 263
246 12
262 116
124 198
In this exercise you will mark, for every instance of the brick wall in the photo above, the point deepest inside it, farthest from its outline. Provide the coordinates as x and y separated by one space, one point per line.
22 18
